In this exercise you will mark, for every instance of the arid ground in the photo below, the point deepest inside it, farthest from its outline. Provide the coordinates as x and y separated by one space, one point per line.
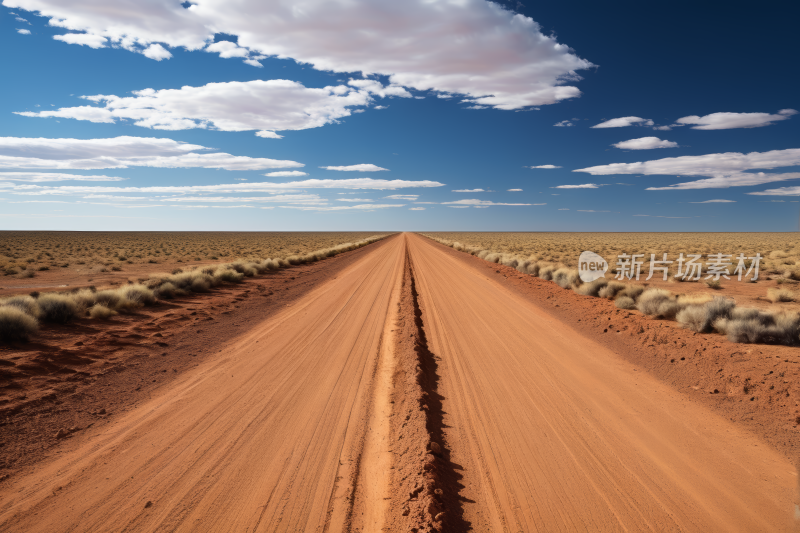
403 386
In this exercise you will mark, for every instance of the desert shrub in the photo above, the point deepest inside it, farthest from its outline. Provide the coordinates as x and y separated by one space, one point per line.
592 288
138 294
58 308
16 325
632 291
625 302
714 284
611 289
546 273
656 302
492 257
228 275
100 311
26 304
166 291
700 318
776 295
27 274
111 298
566 278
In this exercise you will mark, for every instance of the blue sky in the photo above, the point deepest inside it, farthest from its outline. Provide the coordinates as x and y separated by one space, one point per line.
457 96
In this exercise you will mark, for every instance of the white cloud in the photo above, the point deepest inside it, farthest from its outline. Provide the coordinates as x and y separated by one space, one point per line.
623 122
416 209
563 124
645 143
663 128
157 52
727 121
514 190
266 106
288 198
381 107
564 209
38 177
475 203
121 152
83 39
271 134
591 211
782 191
262 187
501 59
362 207
354 200
227 49
582 186
545 166
715 202
723 170
24 32
377 88
409 197
363 167
286 174
459 206
469 190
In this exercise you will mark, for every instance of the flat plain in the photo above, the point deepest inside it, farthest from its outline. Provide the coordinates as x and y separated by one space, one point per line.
401 386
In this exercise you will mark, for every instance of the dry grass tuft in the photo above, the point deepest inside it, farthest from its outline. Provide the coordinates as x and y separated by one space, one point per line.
58 308
625 302
26 304
100 311
16 325
776 295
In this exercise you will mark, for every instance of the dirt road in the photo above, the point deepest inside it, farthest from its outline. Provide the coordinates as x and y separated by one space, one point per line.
287 429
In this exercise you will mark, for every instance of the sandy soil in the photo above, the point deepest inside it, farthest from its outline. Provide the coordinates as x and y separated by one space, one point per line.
403 387
555 432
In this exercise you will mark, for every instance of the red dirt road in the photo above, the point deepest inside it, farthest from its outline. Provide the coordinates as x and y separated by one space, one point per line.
286 429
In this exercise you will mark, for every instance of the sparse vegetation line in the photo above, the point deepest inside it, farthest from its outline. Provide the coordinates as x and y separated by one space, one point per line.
20 315
703 313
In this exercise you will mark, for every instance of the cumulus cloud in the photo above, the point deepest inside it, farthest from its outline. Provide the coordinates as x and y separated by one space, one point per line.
727 121
24 32
563 124
545 166
582 186
363 167
286 174
40 177
83 39
623 122
723 170
514 190
502 59
266 106
121 152
645 143
469 190
715 202
416 209
476 203
157 52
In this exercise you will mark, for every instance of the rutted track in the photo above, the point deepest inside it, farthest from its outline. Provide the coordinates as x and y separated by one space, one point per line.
502 419
266 437
554 432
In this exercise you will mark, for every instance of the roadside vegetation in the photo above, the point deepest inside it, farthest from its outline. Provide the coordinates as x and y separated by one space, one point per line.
24 254
20 315
702 313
